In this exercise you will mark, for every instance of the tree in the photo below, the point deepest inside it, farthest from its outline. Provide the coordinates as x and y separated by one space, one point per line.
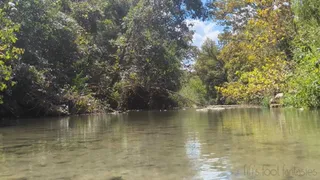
8 51
151 51
116 54
233 14
257 57
304 81
210 69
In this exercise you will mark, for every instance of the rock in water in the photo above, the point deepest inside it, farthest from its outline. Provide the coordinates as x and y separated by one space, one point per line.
217 108
202 110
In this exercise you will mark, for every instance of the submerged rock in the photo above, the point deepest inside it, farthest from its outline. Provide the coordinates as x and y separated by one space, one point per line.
202 110
213 108
216 108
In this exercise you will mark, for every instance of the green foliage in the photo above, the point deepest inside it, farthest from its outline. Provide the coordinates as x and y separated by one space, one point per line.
195 90
124 54
128 54
270 47
211 70
304 82
82 104
80 83
307 10
257 53
304 86
8 52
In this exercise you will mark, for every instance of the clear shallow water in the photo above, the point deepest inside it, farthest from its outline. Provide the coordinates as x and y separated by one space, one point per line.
228 144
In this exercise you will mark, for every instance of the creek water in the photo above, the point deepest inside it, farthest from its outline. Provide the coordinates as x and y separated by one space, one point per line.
242 143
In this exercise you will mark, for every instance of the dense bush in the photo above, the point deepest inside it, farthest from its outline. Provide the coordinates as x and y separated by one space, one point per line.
195 91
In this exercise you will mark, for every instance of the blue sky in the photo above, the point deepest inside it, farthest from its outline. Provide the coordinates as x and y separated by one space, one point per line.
203 30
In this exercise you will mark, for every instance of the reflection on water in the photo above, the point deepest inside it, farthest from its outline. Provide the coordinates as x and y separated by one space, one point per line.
229 144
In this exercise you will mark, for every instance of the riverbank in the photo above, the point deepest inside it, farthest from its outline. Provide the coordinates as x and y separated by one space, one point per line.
11 120
224 107
234 106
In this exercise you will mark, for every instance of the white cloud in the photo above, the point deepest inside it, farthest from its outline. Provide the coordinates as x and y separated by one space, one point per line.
202 31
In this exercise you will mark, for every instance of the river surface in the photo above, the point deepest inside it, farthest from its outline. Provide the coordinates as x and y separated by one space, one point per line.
186 144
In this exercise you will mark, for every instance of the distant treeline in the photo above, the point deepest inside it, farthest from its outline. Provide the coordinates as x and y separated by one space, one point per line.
72 56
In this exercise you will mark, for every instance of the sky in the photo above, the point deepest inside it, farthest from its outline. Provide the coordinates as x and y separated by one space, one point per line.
203 30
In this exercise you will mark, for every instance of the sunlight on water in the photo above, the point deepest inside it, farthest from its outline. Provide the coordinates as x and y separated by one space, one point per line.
230 144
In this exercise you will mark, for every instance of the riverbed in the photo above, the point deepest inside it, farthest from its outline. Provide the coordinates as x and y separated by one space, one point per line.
241 143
